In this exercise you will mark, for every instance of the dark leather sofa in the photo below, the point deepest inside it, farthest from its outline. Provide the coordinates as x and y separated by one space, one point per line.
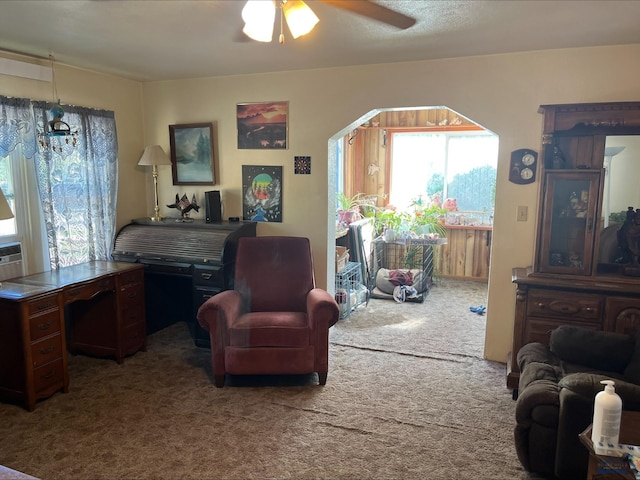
556 393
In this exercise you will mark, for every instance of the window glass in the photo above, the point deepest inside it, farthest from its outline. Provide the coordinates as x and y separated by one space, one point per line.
8 226
449 165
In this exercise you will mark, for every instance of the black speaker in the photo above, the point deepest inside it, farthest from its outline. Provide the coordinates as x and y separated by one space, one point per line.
212 206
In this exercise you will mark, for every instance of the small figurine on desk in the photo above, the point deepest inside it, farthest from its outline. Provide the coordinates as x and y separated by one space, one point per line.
184 207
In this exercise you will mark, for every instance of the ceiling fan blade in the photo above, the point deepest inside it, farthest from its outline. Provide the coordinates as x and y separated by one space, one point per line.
374 11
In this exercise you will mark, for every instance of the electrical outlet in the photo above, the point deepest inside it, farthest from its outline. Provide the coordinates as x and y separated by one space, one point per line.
522 213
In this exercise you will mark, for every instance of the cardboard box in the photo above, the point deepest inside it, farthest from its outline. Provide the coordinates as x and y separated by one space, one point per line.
342 257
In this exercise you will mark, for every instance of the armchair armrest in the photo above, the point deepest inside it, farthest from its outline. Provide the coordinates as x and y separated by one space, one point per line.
322 308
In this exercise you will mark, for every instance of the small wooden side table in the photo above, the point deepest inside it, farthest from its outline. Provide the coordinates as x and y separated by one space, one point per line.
607 467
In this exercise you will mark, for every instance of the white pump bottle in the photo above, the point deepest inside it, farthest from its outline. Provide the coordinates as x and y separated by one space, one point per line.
607 412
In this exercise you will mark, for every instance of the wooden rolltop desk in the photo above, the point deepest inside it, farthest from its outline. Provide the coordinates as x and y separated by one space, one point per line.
186 263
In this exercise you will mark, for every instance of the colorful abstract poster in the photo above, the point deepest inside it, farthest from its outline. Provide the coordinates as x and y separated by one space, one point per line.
262 193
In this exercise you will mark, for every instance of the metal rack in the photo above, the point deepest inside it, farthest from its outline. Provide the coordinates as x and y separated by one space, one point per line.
414 254
350 292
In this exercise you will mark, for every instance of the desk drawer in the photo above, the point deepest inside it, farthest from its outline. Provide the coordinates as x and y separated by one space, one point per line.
134 337
44 325
132 277
49 302
131 296
88 290
563 304
46 350
48 375
208 276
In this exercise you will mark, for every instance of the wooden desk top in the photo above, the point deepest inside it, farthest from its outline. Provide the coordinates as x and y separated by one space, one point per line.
21 288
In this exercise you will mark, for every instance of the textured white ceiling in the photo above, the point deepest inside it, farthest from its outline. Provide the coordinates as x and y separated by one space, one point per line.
160 40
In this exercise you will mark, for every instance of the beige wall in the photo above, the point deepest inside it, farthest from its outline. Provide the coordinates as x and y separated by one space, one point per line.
500 92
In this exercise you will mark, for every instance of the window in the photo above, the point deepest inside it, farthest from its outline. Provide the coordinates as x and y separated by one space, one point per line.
8 226
460 165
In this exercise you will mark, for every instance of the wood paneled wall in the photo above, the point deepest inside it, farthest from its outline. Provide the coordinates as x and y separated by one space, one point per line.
466 254
367 148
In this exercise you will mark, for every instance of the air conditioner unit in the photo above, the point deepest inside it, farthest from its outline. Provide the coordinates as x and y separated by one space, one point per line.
10 261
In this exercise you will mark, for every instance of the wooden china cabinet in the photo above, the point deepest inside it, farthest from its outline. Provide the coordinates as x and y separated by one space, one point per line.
577 277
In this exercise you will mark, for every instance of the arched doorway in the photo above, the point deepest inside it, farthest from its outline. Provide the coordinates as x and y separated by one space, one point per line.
362 158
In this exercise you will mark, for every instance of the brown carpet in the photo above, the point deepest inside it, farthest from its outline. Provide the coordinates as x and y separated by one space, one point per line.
408 396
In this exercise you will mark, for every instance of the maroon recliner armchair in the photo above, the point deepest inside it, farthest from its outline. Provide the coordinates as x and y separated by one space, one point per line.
274 321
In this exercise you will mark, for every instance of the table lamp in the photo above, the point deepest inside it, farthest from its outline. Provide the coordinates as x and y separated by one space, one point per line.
154 155
5 209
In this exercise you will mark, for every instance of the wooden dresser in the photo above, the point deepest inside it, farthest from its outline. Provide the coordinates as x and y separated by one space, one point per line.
100 304
580 275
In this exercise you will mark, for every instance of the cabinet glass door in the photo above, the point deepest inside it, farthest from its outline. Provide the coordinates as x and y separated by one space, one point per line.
569 226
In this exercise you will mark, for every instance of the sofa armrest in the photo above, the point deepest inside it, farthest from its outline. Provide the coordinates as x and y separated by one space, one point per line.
587 385
538 353
537 410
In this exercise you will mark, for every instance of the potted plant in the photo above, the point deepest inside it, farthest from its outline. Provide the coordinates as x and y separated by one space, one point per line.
349 207
428 220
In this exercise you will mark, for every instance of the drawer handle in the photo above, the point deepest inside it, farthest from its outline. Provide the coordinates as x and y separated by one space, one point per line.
44 326
589 309
206 276
49 349
132 295
44 306
50 374
540 305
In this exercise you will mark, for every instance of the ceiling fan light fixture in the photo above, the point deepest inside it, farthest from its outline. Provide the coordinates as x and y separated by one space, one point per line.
259 17
299 16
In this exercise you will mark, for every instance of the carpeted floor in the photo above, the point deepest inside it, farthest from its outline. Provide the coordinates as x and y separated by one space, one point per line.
408 396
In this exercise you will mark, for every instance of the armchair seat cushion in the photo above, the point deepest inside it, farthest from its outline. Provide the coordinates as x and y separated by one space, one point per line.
270 329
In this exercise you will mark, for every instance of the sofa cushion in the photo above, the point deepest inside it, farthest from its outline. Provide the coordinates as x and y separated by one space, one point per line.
632 372
606 351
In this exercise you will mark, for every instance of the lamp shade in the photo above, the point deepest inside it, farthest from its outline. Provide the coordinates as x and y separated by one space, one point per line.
5 209
259 17
300 18
154 155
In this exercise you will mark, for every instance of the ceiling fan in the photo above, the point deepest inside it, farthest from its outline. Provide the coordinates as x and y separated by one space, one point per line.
260 16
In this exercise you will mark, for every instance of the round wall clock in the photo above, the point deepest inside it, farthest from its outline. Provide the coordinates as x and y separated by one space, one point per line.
523 166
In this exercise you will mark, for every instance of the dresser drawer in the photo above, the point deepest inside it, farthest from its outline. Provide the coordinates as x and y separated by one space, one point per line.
539 330
88 290
44 325
208 276
48 376
46 350
565 305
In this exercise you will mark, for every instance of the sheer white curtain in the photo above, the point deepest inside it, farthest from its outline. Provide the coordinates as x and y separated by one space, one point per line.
17 149
78 186
65 200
